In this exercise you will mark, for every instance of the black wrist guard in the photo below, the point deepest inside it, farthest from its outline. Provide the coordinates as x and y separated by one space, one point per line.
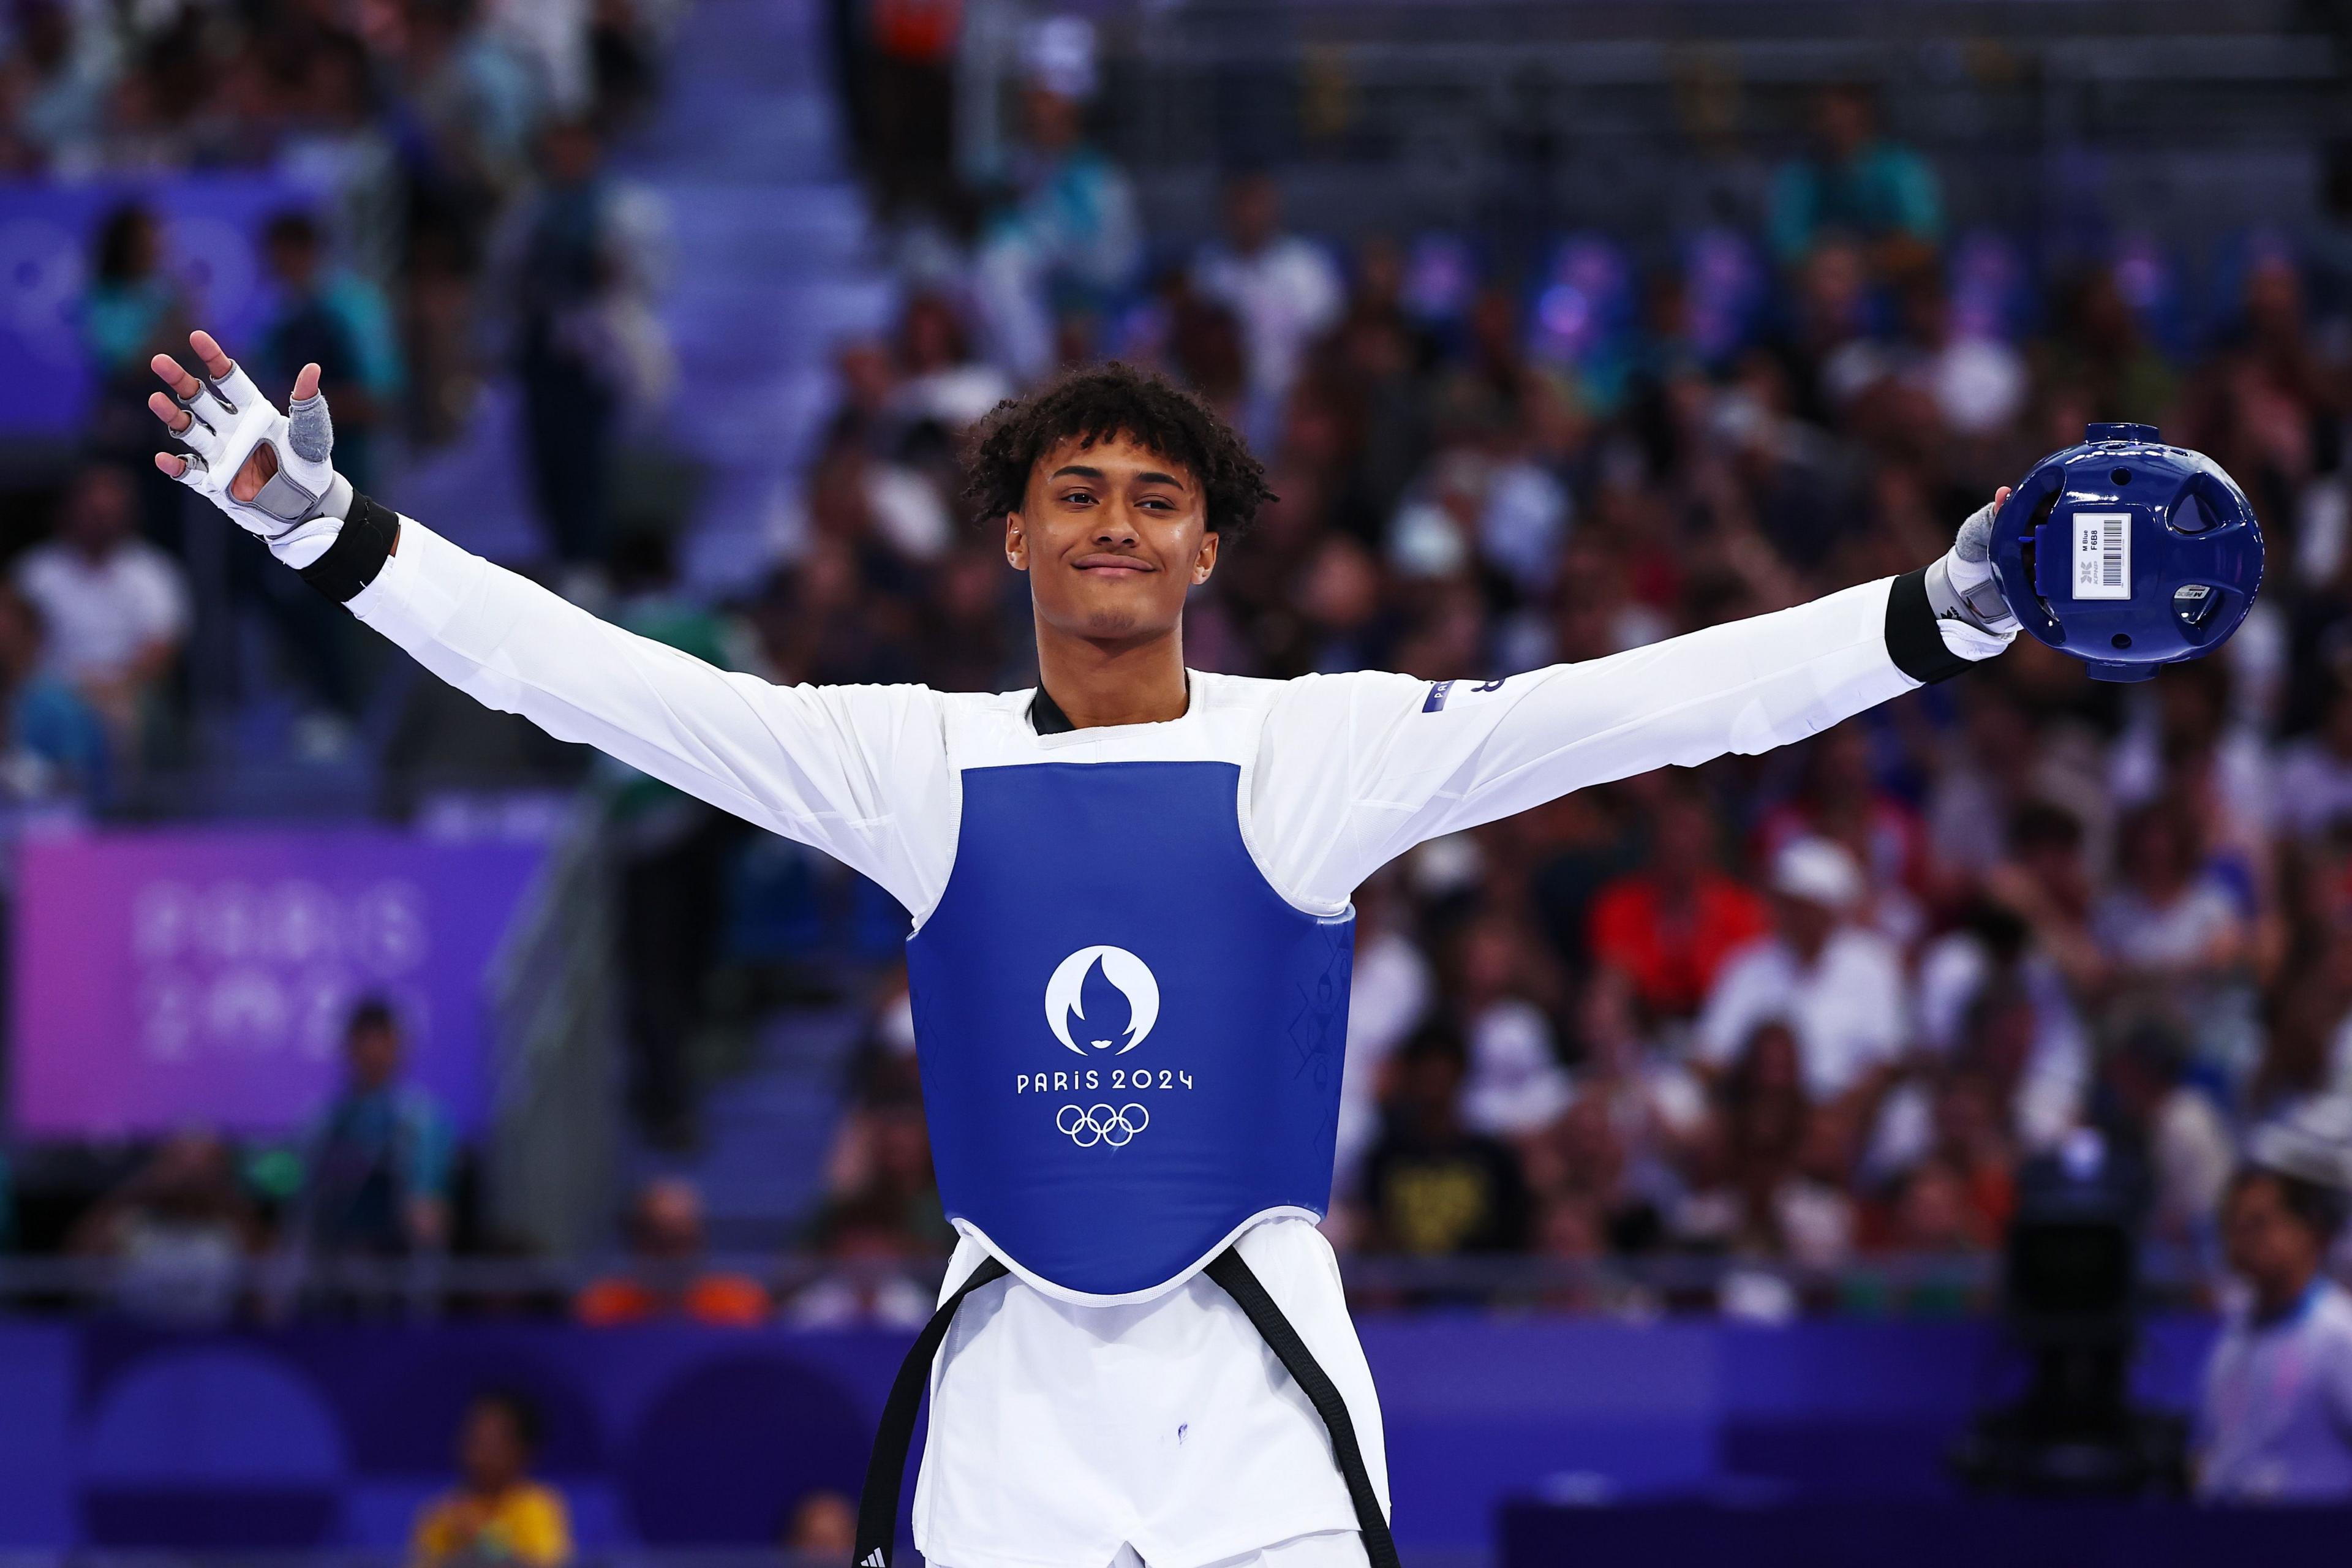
1912 640
358 553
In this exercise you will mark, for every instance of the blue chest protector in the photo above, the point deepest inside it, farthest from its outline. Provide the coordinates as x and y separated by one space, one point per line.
1130 1043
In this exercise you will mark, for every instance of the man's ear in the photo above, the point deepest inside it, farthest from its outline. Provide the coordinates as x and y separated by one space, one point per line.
1016 542
1206 561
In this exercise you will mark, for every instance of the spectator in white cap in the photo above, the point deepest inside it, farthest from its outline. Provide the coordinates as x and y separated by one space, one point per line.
1065 239
1837 983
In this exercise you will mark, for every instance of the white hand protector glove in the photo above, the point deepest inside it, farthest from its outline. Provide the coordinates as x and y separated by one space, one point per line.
1971 615
300 510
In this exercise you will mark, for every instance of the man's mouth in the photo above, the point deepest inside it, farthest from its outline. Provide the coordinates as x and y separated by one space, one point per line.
1113 565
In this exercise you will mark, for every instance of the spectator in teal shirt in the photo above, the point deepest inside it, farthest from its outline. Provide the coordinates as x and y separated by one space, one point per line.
1064 239
132 310
56 744
331 317
675 852
343 324
1858 184
132 307
380 1159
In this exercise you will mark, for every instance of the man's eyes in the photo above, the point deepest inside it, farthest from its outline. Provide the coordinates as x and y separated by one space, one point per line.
1087 497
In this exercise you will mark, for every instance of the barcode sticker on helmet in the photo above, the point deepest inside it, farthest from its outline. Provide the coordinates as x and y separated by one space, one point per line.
2103 555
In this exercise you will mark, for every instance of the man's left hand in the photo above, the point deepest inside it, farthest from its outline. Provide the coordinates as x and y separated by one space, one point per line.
1962 589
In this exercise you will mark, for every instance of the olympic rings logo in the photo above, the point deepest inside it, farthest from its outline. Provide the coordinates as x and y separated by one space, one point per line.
1101 1125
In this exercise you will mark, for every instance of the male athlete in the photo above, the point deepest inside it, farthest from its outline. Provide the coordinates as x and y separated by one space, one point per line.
1131 927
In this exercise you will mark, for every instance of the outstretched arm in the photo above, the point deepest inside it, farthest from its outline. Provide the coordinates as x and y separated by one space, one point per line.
828 767
1364 767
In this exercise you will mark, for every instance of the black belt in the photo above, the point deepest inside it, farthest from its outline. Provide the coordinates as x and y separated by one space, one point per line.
885 1472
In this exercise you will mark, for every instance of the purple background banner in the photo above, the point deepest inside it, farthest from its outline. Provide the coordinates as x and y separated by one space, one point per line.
170 979
212 250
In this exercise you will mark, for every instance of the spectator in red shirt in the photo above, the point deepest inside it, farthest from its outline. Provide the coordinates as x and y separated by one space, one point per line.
669 1276
1670 925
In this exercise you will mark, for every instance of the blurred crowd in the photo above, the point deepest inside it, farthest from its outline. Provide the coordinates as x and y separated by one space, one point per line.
445 220
1813 1008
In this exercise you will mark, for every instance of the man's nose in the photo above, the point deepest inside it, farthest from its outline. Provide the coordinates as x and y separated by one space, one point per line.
1115 524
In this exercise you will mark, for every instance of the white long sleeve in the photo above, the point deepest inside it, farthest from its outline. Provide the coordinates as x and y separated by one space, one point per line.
1359 768
834 767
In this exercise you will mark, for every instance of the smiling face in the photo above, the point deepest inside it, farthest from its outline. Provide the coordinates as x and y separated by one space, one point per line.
1113 536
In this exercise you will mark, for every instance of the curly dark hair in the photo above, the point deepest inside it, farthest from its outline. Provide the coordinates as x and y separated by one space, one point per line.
1098 404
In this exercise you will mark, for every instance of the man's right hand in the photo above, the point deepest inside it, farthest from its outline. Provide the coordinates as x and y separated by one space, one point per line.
274 475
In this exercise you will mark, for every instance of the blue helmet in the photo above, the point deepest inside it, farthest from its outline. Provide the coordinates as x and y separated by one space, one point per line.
2128 553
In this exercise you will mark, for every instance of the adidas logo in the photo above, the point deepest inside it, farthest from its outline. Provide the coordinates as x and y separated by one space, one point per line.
874 1559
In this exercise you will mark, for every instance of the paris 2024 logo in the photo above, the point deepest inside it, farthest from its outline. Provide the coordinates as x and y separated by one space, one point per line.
1082 1005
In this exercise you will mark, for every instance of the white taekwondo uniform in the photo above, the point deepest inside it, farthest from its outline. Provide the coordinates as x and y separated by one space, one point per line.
1066 1433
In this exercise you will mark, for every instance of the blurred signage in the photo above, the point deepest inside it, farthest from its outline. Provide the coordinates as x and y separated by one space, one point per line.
175 979
211 233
